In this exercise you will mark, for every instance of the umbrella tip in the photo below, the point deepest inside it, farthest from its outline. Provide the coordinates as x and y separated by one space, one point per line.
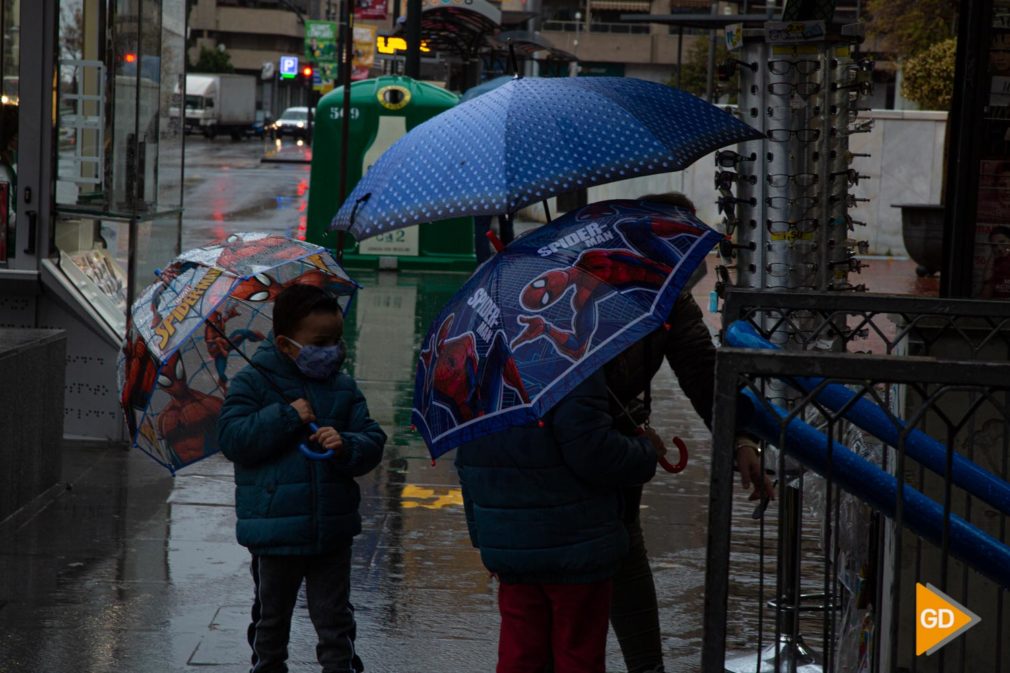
540 423
667 326
413 428
433 462
513 60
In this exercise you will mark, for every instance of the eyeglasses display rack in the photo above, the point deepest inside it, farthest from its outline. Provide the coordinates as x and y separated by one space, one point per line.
785 202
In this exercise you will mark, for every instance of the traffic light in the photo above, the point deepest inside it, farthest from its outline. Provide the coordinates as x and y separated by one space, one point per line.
307 72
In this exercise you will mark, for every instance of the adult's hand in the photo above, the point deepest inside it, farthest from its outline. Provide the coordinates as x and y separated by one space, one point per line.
748 461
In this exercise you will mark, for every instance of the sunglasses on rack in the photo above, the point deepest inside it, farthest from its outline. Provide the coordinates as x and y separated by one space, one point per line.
789 88
802 66
783 269
731 159
805 202
724 180
798 179
785 135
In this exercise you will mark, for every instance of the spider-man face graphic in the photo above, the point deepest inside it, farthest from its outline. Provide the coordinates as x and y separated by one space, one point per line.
258 288
172 377
545 290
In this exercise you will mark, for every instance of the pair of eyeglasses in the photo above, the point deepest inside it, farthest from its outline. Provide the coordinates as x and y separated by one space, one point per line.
849 156
731 159
783 269
789 88
861 127
803 242
861 247
724 179
804 202
850 199
725 70
727 248
805 225
847 220
850 264
788 112
852 175
785 135
798 179
802 66
726 205
863 88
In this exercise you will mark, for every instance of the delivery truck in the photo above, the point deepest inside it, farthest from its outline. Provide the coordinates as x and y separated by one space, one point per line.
219 105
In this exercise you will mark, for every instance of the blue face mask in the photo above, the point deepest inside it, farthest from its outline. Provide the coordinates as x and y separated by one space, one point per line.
319 362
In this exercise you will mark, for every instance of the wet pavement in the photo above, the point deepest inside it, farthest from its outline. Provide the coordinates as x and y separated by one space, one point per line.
130 569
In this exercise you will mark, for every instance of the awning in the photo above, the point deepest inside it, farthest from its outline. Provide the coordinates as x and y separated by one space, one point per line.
620 6
528 45
457 26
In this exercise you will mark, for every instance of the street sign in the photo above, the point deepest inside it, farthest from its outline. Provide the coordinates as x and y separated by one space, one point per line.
289 67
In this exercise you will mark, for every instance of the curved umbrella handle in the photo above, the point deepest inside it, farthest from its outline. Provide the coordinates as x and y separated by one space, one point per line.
681 463
315 455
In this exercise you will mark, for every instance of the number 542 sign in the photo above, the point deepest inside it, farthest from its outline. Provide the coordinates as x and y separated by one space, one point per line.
403 242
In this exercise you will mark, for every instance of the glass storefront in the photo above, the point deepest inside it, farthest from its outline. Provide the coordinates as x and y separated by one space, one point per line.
119 157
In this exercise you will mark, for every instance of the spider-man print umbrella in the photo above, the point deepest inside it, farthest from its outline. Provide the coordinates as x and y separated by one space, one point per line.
531 139
551 308
191 328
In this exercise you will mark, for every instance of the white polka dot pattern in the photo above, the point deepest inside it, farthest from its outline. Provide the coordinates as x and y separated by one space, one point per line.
530 139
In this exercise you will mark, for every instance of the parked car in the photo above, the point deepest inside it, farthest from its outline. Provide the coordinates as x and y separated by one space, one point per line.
293 122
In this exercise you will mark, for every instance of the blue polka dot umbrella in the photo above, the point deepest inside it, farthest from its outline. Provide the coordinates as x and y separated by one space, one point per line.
531 139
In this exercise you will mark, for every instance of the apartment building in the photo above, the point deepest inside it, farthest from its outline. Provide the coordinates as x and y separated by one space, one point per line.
255 33
593 32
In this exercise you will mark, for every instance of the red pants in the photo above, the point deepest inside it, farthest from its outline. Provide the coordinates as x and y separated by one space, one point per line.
563 623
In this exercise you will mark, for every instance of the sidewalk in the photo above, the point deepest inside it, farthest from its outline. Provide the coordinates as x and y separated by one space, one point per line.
130 570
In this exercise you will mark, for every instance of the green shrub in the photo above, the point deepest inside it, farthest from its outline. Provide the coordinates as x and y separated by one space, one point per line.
928 77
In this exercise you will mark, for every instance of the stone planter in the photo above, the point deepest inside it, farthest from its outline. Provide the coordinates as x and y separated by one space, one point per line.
922 233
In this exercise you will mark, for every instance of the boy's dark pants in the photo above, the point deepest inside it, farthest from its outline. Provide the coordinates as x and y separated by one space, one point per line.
634 612
327 588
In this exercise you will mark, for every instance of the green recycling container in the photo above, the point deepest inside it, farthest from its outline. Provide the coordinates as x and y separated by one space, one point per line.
382 111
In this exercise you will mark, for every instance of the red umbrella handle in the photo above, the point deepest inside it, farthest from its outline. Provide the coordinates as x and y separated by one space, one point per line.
681 462
496 242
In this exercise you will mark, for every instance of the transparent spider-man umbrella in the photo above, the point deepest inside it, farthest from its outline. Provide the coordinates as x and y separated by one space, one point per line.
197 325
547 311
529 140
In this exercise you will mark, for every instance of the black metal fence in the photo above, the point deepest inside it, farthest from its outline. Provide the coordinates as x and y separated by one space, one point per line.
825 580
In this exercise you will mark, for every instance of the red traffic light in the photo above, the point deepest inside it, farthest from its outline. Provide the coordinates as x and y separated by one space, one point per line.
130 58
307 72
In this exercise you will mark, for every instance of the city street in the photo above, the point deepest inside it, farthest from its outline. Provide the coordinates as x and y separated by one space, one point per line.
131 570
228 189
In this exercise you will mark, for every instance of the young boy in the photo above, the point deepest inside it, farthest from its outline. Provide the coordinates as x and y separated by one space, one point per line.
544 505
296 515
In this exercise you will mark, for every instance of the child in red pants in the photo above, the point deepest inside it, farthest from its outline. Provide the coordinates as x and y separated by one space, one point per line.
544 506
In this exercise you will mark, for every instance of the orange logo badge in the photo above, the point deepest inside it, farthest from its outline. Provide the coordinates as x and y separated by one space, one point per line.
939 619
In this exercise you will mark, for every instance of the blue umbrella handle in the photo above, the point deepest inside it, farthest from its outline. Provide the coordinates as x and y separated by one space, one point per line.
315 455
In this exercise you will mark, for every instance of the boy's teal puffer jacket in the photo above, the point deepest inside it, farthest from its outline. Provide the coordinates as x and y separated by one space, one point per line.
286 503
544 504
